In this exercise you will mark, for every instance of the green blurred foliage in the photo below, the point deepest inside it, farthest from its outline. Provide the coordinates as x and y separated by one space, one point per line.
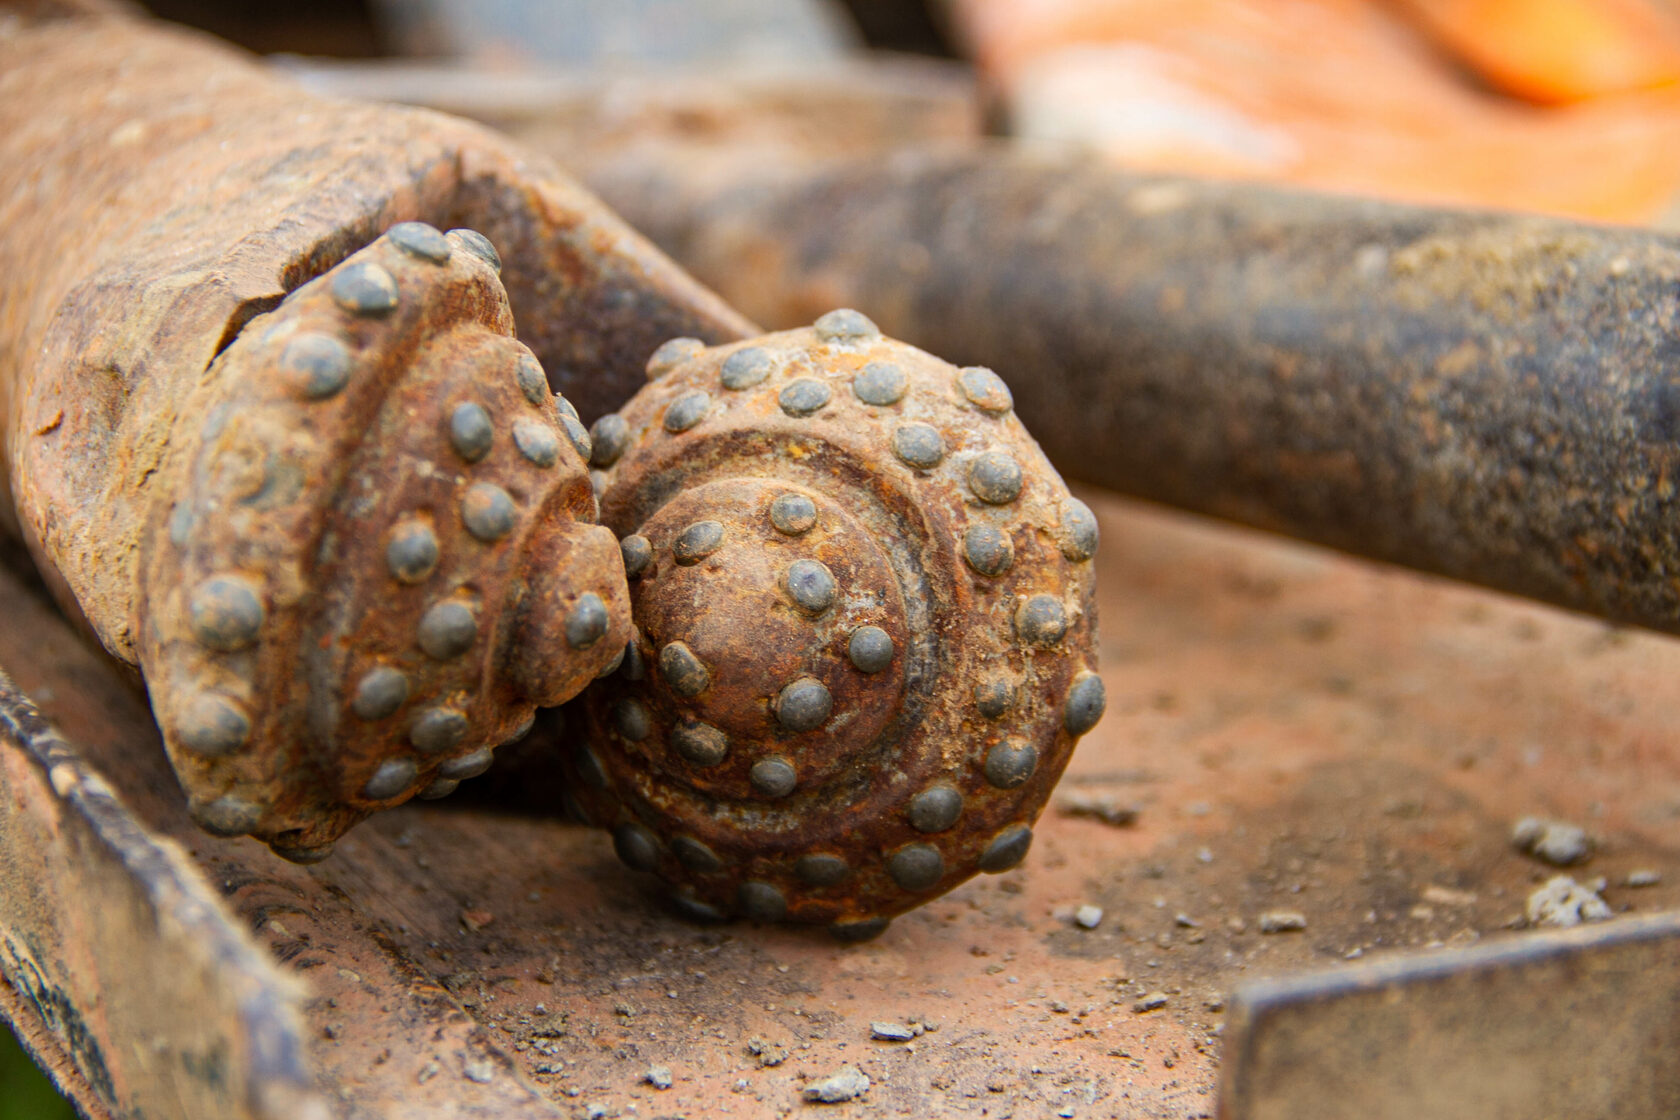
25 1092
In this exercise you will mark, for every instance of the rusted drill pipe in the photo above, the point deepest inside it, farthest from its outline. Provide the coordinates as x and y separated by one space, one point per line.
1487 396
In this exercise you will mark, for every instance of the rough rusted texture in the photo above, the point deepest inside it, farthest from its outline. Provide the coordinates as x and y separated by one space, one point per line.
865 628
1491 397
220 493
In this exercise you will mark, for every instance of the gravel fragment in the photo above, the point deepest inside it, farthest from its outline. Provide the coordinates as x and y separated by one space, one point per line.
1154 1001
1644 877
849 1084
1088 916
891 1032
658 1076
1558 843
1282 921
1562 902
1104 807
480 1071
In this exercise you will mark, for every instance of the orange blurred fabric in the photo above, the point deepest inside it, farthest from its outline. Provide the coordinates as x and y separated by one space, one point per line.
1562 106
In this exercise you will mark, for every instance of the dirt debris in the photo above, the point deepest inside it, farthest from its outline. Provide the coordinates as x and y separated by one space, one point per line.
848 1084
1562 902
1558 843
1282 921
1104 807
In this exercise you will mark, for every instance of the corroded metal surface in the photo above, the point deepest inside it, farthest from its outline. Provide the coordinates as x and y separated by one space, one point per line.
1487 396
1578 1023
865 618
315 492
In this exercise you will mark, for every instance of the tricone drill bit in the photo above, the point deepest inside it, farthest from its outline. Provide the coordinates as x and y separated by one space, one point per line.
864 628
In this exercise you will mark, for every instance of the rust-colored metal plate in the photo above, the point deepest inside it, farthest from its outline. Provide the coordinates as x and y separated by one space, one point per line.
1296 731
1583 1023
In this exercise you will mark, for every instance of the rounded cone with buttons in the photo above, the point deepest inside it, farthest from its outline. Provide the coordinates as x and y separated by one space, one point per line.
864 644
380 557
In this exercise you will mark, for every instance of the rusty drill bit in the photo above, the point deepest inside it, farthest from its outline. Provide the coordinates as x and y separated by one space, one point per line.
268 431
1491 397
864 628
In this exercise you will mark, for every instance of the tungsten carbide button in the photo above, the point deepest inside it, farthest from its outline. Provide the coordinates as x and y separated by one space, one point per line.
316 365
700 743
683 671
1007 849
479 246
438 729
636 847
418 239
994 697
228 816
689 906
820 869
1040 620
365 288
304 854
916 867
745 368
694 855
672 354
870 649
793 514
536 442
533 382
632 719
487 512
761 902
1079 531
226 614
470 431
1087 699
804 705
844 325
687 411
804 397
379 693
985 390
918 445
935 809
995 478
636 552
587 624
811 585
579 435
412 554
392 779
988 551
466 766
213 725
609 436
880 384
447 629
697 542
860 929
1010 763
773 777
438 788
